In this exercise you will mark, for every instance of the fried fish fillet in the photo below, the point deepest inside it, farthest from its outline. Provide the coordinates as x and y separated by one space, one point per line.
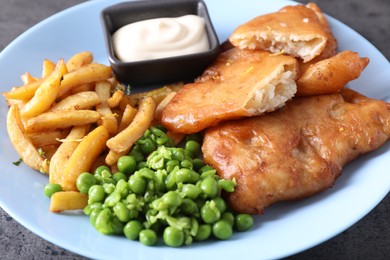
295 30
332 74
297 151
240 83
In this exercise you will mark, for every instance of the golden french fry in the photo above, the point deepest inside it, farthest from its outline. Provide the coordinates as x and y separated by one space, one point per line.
46 94
68 200
113 157
78 101
64 151
162 105
27 78
115 99
47 68
127 117
82 88
142 120
89 73
22 144
25 92
79 60
61 119
49 137
103 90
83 157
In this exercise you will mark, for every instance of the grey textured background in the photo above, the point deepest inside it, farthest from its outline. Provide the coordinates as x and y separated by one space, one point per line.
368 239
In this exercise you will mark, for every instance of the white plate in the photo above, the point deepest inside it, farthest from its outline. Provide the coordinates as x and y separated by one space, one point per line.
285 229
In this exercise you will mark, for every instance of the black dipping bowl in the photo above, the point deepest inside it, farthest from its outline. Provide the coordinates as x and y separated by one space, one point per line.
164 70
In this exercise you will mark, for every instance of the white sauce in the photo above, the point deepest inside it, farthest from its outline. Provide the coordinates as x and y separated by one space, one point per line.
161 38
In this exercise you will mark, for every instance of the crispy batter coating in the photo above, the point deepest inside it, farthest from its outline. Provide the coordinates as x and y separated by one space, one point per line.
297 151
330 75
295 30
240 83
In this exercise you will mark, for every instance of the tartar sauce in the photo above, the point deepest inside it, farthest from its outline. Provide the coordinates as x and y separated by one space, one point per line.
161 38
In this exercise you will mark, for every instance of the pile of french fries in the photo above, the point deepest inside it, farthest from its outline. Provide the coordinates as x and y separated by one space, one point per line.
76 117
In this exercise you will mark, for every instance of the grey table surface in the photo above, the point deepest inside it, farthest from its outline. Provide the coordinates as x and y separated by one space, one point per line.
367 239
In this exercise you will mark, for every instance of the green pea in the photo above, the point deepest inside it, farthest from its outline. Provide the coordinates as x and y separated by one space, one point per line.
137 155
132 229
205 169
142 165
188 207
96 194
191 191
51 188
185 175
173 237
210 213
229 217
121 212
117 226
222 230
204 232
209 186
244 222
186 164
197 164
100 169
102 222
178 154
172 198
171 164
112 199
119 176
148 237
85 181
137 184
193 147
227 185
127 164
88 209
122 187
221 204
93 215
147 146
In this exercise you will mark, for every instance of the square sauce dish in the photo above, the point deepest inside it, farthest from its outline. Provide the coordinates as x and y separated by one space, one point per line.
159 42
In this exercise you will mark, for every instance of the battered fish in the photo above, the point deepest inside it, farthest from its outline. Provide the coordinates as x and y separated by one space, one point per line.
297 151
240 83
294 30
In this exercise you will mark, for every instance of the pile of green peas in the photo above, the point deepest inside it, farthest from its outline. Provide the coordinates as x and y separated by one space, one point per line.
161 190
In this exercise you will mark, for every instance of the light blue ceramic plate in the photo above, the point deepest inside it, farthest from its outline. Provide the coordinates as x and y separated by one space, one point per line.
284 229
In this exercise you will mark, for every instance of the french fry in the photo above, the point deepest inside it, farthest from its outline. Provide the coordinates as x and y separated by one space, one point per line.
83 157
127 117
67 200
82 88
142 120
162 105
49 137
25 92
64 151
103 89
89 73
27 78
116 98
79 60
47 67
21 142
61 119
78 101
113 157
46 94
